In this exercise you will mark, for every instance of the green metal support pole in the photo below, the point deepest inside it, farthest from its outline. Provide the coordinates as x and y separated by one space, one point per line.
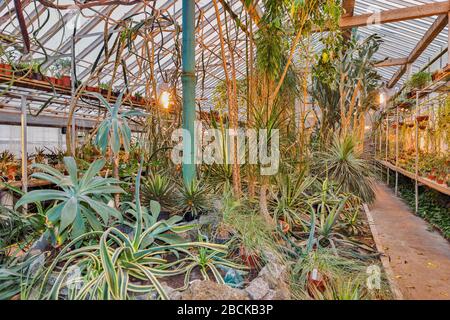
188 79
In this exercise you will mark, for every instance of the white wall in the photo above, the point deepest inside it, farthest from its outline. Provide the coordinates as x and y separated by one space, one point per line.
37 137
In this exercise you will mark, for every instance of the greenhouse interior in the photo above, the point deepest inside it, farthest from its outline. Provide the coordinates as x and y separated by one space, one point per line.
224 150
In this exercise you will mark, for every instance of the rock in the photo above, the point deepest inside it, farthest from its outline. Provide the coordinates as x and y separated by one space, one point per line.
171 292
273 273
258 288
208 290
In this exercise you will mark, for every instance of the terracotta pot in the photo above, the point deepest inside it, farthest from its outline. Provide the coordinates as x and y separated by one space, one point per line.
422 127
5 69
422 118
316 282
432 177
65 81
251 260
440 181
285 227
12 172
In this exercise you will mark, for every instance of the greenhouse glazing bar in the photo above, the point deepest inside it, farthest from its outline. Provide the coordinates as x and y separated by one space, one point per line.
188 80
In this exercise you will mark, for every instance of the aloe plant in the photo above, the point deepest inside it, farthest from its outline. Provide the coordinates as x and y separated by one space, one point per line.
80 201
114 131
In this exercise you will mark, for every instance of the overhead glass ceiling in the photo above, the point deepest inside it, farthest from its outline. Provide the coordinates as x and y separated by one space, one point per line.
46 25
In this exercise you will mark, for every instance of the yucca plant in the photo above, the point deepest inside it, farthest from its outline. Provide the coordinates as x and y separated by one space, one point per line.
120 266
345 166
192 199
158 188
82 198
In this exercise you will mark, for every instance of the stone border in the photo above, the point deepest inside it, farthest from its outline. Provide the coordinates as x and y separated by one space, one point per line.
383 257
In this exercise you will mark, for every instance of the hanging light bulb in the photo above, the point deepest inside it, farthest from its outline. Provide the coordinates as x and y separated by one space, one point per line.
164 99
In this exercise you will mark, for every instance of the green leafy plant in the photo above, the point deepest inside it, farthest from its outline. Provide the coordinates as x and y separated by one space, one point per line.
419 80
121 266
291 199
158 188
207 260
81 200
192 199
345 166
114 131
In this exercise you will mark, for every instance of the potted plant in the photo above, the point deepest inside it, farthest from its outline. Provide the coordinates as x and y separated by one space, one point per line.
138 97
6 59
104 87
418 81
60 70
8 165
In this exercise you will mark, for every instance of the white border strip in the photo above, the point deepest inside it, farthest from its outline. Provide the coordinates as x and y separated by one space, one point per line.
383 257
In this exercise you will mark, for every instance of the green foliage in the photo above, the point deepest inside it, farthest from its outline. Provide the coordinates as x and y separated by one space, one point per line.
82 198
114 131
121 266
158 188
193 198
291 197
419 80
345 166
17 274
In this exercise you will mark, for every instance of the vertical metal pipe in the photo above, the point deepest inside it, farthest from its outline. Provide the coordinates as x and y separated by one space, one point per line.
24 143
396 150
188 79
417 153
72 91
387 148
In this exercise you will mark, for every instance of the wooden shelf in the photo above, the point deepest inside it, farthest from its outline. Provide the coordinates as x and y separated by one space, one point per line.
28 83
429 183
32 183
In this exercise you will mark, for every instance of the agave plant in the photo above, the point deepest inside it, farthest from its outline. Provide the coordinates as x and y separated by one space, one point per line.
206 260
158 188
17 274
192 199
291 199
82 198
121 266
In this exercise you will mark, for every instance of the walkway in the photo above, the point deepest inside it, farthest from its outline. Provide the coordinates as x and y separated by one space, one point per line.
419 256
